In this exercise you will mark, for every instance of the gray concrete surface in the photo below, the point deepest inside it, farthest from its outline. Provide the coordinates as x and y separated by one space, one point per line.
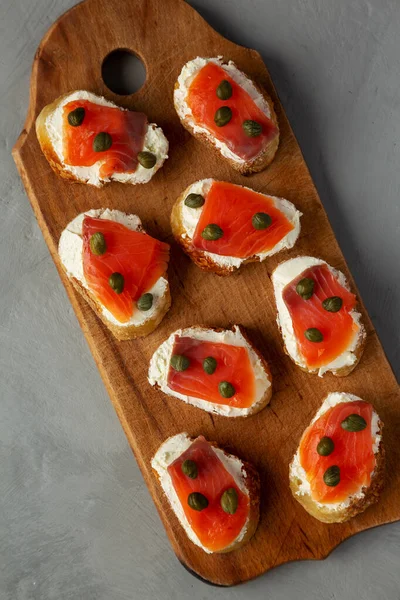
76 520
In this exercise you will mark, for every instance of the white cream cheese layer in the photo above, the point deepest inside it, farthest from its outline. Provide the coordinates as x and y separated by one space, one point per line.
191 216
297 471
188 73
284 274
70 251
167 453
154 141
159 367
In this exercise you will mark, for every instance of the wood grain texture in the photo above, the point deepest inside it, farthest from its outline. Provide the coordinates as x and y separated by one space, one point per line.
165 34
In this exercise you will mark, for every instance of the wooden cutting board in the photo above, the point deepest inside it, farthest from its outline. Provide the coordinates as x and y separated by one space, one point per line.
165 34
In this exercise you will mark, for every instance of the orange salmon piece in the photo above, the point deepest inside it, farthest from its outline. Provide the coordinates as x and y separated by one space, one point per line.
127 130
353 453
233 366
232 207
337 328
215 528
204 103
140 259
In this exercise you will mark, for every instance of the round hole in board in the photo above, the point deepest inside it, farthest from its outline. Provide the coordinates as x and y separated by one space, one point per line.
123 72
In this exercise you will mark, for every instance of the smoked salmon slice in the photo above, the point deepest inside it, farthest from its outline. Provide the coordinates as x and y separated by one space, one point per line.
230 365
350 453
203 101
314 314
125 128
233 209
140 259
215 528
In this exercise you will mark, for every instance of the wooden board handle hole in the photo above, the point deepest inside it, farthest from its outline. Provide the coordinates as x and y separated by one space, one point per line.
123 72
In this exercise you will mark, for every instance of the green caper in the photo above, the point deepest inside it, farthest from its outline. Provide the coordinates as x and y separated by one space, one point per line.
147 159
325 446
332 304
261 220
209 365
97 244
189 468
194 200
75 117
305 288
354 423
145 302
332 476
313 335
222 116
102 142
117 282
229 501
226 389
180 362
252 128
197 501
212 232
224 90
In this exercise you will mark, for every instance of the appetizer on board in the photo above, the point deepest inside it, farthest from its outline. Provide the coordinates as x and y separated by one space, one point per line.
217 370
220 105
89 139
317 316
214 495
119 269
222 226
338 469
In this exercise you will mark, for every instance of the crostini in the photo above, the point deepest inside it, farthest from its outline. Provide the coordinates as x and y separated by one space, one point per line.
222 226
220 105
119 269
89 139
338 469
214 495
317 316
217 370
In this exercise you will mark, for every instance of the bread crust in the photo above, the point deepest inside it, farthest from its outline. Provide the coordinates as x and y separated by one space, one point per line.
252 481
342 371
358 505
255 165
268 392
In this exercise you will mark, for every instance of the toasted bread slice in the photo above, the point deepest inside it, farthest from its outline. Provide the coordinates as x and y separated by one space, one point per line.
49 131
357 502
344 363
184 220
70 252
245 478
200 131
259 387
